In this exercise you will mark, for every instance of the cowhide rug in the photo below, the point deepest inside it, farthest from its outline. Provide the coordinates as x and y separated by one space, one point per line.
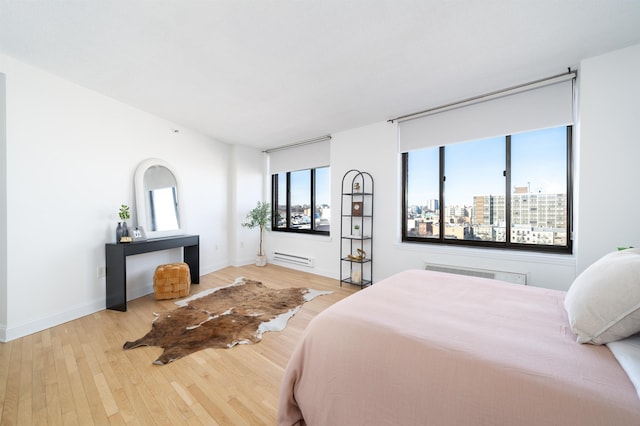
222 318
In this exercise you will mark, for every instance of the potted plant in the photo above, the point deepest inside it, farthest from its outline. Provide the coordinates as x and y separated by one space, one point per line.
122 230
124 213
260 216
356 230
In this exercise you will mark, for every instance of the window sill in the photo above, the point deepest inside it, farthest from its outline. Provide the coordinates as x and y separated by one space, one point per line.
504 254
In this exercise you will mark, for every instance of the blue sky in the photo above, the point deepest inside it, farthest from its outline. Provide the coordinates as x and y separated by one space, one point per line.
300 187
538 160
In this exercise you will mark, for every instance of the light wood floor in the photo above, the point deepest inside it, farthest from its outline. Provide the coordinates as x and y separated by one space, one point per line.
78 374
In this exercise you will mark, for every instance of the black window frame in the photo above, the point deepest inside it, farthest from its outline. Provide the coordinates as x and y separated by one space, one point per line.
274 204
507 244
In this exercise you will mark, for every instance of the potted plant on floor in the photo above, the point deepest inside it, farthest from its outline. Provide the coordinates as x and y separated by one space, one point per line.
260 216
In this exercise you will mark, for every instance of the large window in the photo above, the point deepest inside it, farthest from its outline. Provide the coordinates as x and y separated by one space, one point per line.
301 201
510 192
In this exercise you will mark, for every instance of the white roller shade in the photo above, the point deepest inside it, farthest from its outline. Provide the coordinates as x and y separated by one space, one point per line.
300 157
510 112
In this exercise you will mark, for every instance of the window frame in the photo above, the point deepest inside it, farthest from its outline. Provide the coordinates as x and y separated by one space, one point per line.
274 203
507 244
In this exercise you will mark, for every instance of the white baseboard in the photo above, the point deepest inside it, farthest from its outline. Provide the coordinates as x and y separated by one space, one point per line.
11 333
204 270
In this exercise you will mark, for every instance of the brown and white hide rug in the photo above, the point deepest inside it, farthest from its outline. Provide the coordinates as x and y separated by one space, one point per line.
239 313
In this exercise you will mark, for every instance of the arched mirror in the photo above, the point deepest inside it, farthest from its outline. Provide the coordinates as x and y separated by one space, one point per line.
157 203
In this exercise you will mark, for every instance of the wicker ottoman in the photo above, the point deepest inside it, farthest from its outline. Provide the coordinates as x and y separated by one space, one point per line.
171 281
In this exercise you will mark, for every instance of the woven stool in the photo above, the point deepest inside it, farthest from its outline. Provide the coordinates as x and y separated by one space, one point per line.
171 281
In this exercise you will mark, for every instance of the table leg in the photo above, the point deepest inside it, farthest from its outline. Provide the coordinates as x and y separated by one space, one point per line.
116 279
191 255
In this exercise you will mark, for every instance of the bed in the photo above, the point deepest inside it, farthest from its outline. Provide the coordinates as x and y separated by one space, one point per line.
425 347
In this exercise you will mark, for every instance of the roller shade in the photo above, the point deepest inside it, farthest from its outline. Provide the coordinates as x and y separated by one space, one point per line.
300 157
508 112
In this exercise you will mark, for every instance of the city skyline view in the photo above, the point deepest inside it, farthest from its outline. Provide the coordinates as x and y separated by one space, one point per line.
475 194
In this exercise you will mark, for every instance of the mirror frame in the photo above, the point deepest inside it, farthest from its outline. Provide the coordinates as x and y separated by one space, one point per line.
141 206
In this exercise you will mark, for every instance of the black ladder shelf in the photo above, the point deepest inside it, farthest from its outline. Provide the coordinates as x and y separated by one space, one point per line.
356 229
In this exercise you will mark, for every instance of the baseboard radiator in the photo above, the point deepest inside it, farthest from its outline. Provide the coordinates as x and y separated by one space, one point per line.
292 258
511 277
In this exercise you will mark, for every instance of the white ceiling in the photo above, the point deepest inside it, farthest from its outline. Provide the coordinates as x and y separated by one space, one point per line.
273 72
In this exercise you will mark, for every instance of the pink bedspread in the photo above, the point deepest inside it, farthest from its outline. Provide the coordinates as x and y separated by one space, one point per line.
428 348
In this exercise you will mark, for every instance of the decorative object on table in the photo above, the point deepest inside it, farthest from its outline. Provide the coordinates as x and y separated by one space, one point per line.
138 234
356 276
119 232
122 232
260 217
171 281
356 230
356 208
239 313
356 187
125 234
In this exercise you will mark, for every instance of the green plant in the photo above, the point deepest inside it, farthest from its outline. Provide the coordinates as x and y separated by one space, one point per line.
260 216
124 212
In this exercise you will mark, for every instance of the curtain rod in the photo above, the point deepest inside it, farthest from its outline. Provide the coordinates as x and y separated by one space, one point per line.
492 95
300 143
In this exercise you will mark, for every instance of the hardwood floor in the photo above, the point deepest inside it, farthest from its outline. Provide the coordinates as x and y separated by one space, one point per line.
78 374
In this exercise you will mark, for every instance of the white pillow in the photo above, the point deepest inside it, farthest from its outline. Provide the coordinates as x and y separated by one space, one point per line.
603 302
627 352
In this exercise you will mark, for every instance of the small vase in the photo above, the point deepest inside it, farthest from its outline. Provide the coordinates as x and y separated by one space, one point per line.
125 230
119 232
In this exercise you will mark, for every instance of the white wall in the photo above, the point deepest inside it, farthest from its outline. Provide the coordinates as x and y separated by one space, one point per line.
70 158
3 208
609 152
246 183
